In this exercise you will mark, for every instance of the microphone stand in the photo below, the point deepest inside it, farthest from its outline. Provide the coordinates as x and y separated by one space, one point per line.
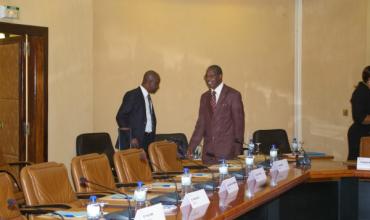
143 158
242 167
244 148
83 182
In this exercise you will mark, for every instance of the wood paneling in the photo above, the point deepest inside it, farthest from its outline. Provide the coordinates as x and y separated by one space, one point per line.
37 100
10 72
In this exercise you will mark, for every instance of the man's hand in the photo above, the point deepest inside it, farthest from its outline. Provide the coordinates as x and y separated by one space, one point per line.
189 153
134 143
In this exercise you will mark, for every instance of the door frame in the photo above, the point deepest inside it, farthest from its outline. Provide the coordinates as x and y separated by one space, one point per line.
38 97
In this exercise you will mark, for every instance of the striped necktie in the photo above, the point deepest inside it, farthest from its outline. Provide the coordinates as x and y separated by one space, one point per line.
151 110
213 101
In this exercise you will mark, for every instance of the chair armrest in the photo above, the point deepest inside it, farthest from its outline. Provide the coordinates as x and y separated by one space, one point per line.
20 163
169 173
195 167
166 175
161 177
33 211
57 206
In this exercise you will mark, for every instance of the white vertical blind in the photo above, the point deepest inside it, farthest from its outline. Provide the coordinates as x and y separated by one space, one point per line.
298 70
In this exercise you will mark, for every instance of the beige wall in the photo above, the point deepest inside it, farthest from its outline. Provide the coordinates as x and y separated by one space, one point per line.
251 40
334 54
70 68
100 49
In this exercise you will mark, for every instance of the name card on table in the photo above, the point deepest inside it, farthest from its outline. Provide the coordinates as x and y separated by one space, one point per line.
363 163
154 212
258 175
256 178
230 185
226 198
280 165
282 176
189 213
195 199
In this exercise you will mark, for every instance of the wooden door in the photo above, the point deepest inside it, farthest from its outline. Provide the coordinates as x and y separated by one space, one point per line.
12 100
32 88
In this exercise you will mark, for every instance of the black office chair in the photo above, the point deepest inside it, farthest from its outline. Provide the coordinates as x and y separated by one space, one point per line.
179 138
267 138
95 143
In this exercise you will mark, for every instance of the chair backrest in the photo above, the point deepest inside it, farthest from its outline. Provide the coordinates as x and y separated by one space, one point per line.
132 166
267 138
164 157
179 138
48 183
12 173
12 170
94 167
6 195
365 147
95 143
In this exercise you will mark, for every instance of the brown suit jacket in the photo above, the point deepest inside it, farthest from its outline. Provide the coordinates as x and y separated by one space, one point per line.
221 130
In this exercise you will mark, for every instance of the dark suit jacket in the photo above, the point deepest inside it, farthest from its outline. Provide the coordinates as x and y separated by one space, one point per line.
131 114
222 129
360 109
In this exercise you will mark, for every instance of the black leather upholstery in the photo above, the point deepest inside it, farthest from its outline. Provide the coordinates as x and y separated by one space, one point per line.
278 137
179 138
95 143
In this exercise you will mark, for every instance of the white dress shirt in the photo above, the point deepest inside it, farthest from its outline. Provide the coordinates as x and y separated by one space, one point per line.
148 127
218 90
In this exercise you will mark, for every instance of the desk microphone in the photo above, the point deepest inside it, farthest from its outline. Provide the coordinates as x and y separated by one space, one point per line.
84 182
144 159
204 167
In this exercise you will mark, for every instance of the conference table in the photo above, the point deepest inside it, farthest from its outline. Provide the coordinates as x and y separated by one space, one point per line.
327 190
336 181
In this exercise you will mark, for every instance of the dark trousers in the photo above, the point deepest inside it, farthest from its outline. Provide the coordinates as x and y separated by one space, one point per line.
147 140
355 133
123 141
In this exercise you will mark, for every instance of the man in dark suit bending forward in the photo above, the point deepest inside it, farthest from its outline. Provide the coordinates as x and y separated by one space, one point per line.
220 121
136 117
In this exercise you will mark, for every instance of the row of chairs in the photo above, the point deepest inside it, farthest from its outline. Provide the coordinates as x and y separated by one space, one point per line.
48 183
131 165
101 142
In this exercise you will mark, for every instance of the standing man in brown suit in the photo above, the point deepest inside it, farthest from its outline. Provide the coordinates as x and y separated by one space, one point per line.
220 120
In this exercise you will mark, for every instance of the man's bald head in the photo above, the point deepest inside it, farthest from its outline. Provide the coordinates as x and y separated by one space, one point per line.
151 81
